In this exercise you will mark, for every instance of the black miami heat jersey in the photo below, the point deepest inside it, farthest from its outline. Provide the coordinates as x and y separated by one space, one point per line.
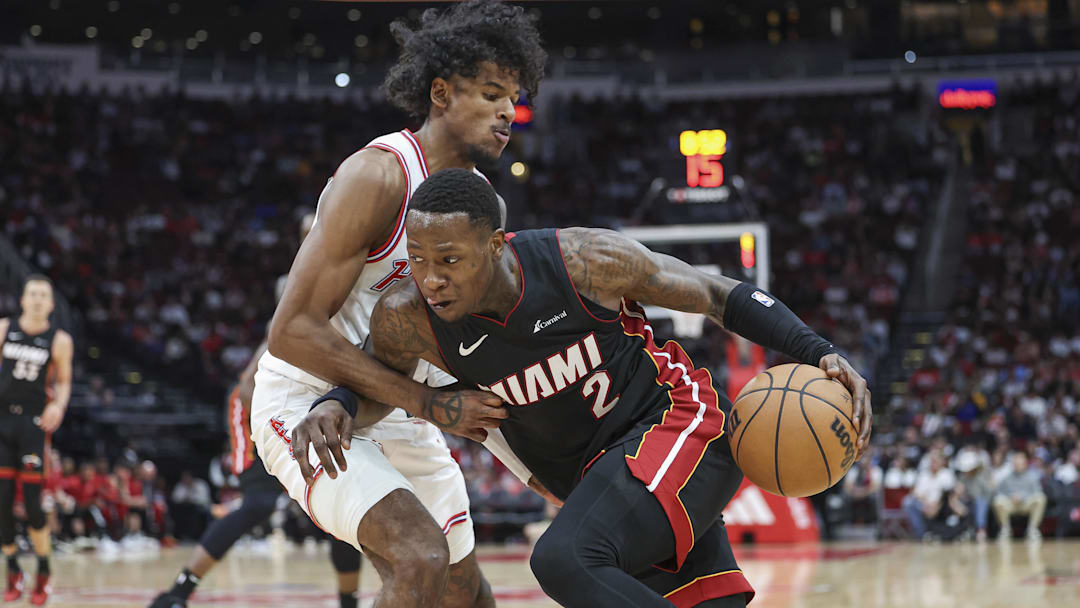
566 367
23 367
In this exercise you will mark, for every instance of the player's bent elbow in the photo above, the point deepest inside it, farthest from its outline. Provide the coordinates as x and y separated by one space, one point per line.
282 336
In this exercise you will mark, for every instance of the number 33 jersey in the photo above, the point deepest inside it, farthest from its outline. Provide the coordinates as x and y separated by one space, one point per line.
23 369
577 378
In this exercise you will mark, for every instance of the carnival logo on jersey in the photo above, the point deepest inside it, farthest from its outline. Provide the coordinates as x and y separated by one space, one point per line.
541 324
401 270
765 300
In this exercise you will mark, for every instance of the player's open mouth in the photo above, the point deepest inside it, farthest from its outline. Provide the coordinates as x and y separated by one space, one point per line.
503 135
438 304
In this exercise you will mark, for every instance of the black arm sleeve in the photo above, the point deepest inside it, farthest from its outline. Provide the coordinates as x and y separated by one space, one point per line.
762 319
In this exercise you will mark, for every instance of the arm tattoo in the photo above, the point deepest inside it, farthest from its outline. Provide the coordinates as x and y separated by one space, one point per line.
606 266
443 409
400 330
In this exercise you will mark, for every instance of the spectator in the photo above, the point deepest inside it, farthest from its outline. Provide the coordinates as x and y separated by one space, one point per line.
925 499
954 519
1066 493
191 506
900 474
972 463
862 485
1020 494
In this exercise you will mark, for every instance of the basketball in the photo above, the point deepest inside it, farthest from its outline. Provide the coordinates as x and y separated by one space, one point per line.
791 430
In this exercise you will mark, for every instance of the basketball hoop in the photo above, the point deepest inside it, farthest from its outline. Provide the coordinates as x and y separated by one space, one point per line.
687 325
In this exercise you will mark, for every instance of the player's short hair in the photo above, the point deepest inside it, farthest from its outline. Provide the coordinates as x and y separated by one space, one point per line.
37 276
455 41
459 191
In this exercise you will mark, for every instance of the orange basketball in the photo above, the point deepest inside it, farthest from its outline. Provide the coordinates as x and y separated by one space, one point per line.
791 432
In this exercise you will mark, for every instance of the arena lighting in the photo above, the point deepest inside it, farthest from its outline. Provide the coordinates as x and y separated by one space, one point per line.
967 94
342 80
746 249
523 114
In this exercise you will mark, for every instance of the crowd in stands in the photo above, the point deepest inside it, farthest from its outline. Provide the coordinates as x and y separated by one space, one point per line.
991 421
166 221
128 506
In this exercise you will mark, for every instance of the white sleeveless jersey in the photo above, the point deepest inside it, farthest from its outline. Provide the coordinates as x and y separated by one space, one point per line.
386 264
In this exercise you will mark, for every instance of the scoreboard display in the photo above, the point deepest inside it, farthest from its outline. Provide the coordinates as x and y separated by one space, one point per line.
697 169
704 152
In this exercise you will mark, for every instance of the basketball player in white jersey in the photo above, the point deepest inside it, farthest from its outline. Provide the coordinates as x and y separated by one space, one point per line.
400 497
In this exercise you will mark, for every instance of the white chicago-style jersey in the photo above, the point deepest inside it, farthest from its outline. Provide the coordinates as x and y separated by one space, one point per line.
386 264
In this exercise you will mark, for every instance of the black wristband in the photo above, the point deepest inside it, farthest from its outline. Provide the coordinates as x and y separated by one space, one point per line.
349 400
761 318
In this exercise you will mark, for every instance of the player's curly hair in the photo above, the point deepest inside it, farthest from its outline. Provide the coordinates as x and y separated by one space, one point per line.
459 191
455 41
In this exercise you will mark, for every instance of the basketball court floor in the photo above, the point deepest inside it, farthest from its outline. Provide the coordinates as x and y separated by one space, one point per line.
908 575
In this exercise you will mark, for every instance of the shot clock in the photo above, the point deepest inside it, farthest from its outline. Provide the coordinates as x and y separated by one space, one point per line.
704 151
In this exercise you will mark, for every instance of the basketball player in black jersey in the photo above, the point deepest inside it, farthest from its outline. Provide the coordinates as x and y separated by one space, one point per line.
622 428
34 352
260 495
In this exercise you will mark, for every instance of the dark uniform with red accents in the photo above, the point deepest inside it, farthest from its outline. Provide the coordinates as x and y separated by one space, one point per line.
243 461
591 395
23 371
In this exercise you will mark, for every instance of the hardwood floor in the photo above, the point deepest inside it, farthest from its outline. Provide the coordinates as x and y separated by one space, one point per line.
893 575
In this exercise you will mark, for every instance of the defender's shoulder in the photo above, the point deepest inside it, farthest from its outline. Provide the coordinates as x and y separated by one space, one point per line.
371 166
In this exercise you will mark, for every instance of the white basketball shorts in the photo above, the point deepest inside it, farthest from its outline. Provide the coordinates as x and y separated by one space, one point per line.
398 452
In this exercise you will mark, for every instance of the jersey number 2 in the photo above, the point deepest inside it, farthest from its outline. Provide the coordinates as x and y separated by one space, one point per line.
599 384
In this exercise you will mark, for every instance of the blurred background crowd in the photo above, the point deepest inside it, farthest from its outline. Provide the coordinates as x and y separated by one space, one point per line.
938 252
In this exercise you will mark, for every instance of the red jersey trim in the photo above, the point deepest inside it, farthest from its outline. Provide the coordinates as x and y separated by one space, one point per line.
710 587
569 278
307 498
454 520
399 226
669 452
239 443
415 141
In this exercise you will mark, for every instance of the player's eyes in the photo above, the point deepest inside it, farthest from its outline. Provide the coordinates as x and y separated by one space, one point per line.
451 259
415 258
490 97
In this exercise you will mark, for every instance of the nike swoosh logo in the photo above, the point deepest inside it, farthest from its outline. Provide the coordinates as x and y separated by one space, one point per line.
465 352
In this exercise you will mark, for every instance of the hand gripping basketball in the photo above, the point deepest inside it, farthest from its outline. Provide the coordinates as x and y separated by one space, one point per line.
793 430
862 417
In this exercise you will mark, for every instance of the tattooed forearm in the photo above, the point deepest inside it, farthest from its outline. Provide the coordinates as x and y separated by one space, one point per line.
443 409
606 266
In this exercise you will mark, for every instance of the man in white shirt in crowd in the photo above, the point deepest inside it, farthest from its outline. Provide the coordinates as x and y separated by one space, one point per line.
1020 493
924 502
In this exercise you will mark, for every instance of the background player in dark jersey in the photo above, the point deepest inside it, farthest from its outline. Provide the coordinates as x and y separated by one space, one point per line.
260 491
34 352
620 427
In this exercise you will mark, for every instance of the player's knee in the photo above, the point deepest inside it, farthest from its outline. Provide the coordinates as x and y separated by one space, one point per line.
421 559
260 504
554 562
